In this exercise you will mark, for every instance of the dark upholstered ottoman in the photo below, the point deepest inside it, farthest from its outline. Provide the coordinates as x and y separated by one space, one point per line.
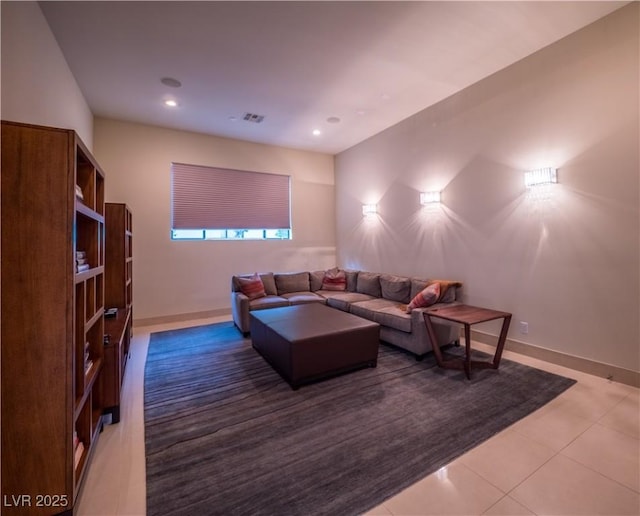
312 341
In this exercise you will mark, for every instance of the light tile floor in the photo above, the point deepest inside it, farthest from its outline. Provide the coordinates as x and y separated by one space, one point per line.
579 454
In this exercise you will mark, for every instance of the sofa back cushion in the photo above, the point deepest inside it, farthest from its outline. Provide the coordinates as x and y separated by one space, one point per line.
369 283
448 290
269 284
395 288
449 294
315 280
352 280
417 286
293 282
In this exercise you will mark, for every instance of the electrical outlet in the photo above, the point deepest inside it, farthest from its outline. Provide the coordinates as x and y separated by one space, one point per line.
524 327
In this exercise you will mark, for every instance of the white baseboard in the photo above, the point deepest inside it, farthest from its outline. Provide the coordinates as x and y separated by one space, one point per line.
611 372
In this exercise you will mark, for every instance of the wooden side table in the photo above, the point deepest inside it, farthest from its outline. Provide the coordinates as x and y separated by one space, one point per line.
467 315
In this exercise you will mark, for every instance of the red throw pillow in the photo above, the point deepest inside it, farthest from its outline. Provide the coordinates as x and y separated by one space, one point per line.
252 287
334 279
425 298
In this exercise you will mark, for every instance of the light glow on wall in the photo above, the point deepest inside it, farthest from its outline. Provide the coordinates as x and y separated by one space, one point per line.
429 197
541 176
369 209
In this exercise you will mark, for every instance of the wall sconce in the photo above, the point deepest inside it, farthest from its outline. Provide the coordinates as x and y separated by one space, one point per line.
541 176
429 197
369 209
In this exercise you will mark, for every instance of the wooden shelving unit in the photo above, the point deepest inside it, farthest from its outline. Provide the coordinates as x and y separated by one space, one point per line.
52 322
118 294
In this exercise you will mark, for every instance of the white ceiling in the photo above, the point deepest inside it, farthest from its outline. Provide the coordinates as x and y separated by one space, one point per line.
371 64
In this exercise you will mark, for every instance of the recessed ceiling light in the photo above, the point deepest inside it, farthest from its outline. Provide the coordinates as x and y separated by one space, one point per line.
233 118
170 103
171 82
333 120
361 112
316 132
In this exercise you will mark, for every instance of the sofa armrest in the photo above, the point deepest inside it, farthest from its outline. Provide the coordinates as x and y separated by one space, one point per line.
240 310
446 332
418 327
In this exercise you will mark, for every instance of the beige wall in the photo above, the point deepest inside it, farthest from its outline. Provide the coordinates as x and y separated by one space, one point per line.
170 277
178 277
37 85
566 263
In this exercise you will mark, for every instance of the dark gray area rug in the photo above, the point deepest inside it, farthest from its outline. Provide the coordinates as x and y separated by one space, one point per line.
226 435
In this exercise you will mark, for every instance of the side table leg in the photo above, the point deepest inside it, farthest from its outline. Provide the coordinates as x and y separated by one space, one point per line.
501 341
467 345
432 337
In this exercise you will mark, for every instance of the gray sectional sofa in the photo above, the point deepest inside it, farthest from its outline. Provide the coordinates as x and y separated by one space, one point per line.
379 297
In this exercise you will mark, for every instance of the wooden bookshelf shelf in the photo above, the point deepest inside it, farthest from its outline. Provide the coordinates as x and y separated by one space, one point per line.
52 325
118 294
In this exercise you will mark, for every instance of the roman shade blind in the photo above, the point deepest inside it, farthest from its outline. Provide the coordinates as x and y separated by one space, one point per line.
220 198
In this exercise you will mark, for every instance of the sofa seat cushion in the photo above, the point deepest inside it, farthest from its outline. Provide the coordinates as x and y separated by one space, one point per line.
300 298
268 302
385 312
343 299
394 317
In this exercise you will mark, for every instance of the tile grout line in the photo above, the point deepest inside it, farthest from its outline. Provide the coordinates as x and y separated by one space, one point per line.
555 454
600 474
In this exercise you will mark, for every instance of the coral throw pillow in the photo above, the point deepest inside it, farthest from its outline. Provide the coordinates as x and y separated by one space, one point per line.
252 287
425 298
334 279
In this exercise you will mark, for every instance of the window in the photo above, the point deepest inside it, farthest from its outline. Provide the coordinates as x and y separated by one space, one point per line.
210 203
231 234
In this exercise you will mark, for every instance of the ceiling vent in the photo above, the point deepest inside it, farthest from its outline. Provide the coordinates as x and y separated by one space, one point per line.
252 117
